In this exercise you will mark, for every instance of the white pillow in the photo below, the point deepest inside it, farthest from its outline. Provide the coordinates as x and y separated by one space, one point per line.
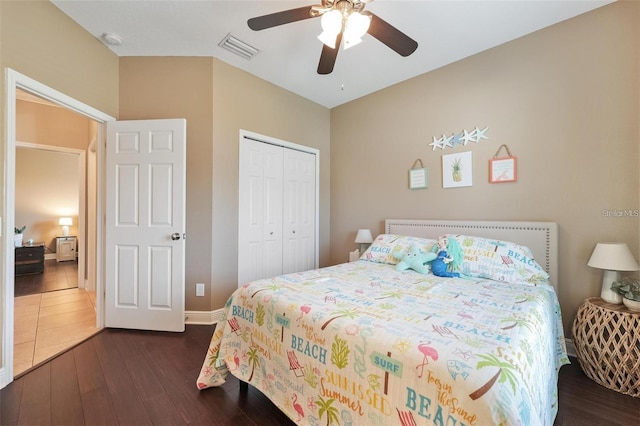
499 260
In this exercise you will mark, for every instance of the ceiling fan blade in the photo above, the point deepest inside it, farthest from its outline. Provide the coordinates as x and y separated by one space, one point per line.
279 18
328 57
391 36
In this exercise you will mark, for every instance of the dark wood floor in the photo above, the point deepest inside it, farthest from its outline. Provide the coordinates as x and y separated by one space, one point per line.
139 377
56 276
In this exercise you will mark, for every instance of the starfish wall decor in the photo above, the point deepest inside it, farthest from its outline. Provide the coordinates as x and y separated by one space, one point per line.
463 138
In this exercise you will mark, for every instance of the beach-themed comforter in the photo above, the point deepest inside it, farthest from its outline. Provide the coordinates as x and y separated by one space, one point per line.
361 343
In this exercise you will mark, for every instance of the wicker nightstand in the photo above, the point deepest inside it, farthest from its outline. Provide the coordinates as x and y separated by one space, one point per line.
607 341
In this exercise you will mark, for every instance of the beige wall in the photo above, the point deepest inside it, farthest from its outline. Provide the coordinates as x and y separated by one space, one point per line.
566 102
39 41
47 185
48 182
51 125
218 100
242 101
178 87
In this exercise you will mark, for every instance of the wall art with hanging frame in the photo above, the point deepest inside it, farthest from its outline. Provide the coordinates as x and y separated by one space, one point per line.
503 169
418 175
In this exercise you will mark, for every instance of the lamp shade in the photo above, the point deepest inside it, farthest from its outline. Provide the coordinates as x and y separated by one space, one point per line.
613 257
364 236
65 221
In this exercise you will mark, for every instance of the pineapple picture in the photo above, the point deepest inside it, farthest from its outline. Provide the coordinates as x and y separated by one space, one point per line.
456 170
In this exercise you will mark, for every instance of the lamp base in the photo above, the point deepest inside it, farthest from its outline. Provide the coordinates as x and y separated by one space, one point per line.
607 294
65 231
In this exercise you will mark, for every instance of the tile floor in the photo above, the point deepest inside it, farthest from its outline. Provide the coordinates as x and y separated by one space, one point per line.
48 323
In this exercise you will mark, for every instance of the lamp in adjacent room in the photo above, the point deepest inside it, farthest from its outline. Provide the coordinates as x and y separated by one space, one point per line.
65 222
363 237
612 258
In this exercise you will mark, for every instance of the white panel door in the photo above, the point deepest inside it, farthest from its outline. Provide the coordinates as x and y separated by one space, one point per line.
260 211
299 201
145 224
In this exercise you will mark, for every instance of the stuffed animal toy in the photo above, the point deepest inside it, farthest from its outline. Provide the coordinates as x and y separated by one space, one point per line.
444 263
415 258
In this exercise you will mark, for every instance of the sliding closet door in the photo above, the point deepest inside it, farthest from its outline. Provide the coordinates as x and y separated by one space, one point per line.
260 211
299 209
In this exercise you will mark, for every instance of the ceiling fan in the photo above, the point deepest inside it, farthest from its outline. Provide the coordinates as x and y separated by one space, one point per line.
340 19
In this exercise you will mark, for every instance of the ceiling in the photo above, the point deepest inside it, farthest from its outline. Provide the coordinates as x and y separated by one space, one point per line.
446 31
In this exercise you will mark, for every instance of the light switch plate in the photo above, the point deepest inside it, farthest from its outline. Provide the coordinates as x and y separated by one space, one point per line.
199 289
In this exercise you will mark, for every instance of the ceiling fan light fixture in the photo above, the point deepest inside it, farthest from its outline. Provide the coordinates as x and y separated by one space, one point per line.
351 41
328 39
357 26
331 23
341 19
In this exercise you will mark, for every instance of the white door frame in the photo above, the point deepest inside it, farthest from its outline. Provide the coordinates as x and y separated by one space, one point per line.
13 80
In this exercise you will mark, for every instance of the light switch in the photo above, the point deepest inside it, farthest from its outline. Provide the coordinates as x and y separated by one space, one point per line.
199 289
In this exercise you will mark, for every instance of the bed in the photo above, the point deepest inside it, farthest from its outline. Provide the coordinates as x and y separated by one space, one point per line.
365 344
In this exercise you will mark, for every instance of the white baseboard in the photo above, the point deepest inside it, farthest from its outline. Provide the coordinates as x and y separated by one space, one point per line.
571 348
202 317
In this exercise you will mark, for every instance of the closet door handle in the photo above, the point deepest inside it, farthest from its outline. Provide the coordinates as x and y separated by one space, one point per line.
175 236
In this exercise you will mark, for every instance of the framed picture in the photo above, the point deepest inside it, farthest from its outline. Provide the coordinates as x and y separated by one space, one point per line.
418 178
457 170
503 170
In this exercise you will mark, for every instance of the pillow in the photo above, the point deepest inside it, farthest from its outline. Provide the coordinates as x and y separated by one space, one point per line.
380 251
499 260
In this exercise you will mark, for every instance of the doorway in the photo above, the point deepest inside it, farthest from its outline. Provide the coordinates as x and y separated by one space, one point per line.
52 309
16 81
50 186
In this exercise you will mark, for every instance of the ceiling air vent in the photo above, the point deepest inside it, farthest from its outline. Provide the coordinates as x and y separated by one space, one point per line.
239 47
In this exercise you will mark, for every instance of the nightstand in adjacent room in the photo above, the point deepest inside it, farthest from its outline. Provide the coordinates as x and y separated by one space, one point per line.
607 341
30 259
65 248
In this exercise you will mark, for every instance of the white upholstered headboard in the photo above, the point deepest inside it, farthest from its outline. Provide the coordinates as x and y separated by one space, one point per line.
540 237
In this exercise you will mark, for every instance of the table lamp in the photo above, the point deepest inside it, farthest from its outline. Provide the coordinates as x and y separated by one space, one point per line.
65 222
363 237
612 257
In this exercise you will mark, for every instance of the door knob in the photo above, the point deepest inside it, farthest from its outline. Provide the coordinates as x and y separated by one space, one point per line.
175 236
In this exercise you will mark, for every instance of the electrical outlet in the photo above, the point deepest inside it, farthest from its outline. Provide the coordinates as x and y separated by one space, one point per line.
199 289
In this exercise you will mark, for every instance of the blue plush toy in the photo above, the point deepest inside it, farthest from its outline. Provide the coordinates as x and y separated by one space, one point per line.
444 263
415 259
